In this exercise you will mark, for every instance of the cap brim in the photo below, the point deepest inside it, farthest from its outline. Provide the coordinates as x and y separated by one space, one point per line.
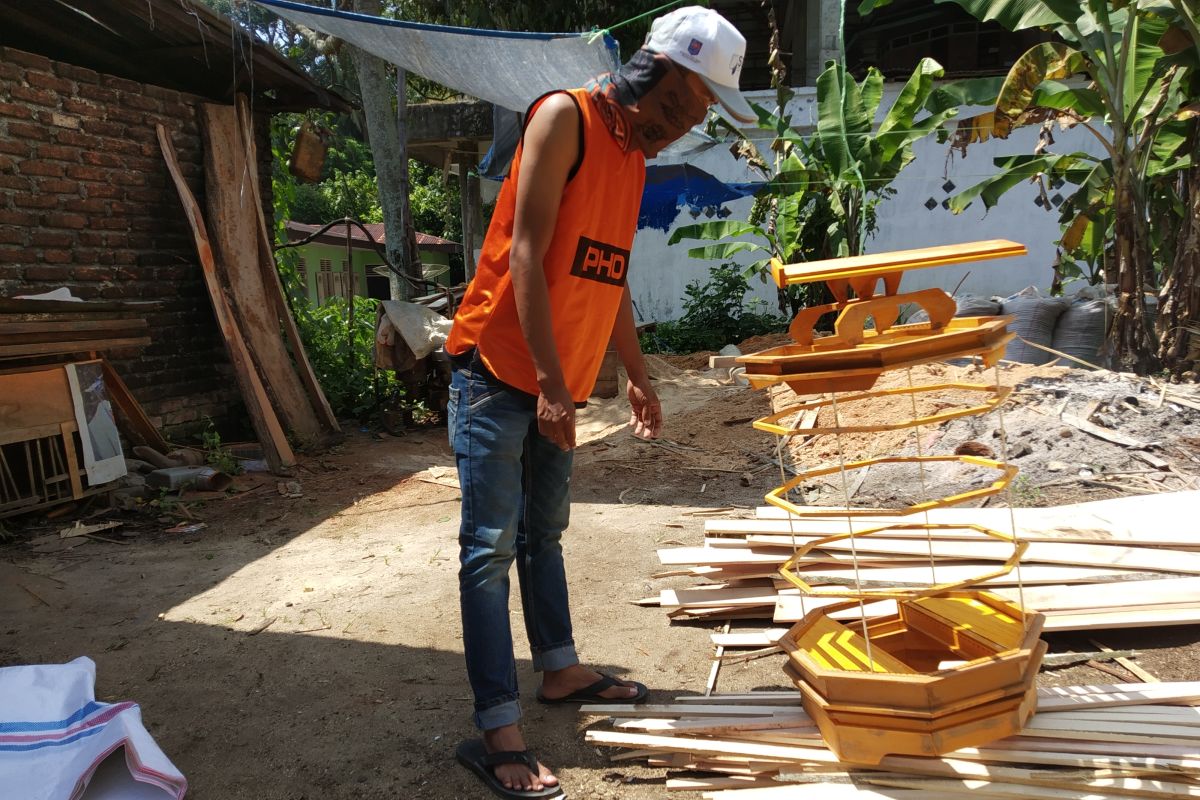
732 101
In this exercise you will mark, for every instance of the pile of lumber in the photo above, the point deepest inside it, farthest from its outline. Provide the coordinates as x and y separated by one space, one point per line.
277 383
1128 562
1123 740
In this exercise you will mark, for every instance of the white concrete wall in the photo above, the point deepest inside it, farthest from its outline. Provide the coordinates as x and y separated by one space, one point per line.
660 273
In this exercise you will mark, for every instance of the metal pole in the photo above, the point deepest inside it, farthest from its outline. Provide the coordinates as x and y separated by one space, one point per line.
349 297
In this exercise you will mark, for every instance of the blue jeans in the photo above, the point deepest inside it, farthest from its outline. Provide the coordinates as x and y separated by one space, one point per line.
515 505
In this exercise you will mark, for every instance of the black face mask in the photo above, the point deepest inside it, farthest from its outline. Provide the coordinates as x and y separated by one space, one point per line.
648 104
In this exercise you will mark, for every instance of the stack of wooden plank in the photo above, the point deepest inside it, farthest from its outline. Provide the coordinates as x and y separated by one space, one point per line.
277 383
1122 740
1128 562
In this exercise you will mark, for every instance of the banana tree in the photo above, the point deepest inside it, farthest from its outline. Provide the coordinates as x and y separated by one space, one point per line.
1136 89
826 185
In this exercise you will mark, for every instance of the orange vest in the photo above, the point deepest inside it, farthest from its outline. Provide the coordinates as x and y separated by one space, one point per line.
586 265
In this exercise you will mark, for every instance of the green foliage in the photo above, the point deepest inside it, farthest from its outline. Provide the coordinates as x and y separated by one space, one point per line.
343 356
218 457
821 198
714 315
1143 64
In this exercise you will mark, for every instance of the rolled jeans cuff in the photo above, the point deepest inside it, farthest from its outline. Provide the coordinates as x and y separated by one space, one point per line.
499 715
555 658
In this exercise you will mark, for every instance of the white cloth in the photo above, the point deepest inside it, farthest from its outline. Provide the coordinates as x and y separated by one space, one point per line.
54 736
423 330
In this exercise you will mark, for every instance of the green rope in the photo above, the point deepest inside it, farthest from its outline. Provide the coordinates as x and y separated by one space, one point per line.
596 33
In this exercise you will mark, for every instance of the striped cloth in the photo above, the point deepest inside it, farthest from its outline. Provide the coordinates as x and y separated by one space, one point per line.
54 736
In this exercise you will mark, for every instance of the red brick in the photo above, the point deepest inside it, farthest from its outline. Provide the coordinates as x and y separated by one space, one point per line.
51 169
93 273
139 101
48 272
56 256
16 182
10 234
41 97
128 178
13 217
27 130
101 127
58 186
40 238
111 224
103 190
15 148
91 238
15 111
97 93
80 74
74 138
74 105
59 220
10 72
93 206
101 158
122 84
81 172
161 93
35 201
26 59
13 255
114 113
57 152
42 80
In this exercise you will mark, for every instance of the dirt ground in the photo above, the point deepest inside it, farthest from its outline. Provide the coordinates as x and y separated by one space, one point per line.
308 646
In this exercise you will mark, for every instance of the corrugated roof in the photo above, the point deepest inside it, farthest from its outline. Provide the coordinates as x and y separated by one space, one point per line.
337 236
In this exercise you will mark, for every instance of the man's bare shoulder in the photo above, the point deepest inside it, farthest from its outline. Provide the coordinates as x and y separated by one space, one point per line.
555 116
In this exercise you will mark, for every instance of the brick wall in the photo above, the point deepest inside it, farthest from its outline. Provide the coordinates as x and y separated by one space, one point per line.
86 202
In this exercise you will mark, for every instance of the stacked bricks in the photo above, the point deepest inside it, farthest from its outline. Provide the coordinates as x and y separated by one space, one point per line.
86 202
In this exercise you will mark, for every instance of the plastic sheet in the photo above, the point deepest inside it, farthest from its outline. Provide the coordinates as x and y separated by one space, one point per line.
508 68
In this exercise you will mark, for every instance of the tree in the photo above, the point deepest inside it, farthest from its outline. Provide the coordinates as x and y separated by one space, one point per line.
1137 89
825 187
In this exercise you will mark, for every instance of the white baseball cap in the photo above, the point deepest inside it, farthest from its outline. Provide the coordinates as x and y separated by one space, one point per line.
701 40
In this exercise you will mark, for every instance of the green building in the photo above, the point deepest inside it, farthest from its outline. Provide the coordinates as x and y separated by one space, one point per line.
327 272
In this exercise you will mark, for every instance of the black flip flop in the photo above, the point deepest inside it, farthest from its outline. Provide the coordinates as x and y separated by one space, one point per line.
474 756
590 695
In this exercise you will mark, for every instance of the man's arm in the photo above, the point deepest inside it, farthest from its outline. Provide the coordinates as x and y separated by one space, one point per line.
646 413
550 148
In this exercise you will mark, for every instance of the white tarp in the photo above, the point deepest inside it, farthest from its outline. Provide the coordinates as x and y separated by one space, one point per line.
510 69
54 737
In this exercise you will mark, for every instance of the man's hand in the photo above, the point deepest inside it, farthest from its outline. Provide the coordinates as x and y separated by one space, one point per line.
556 417
646 413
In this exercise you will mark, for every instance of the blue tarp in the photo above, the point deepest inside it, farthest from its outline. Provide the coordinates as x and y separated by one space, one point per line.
675 186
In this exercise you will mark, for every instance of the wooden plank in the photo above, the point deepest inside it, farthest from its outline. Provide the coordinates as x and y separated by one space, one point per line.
73 346
21 305
1070 553
277 451
1131 520
1095 597
35 399
68 439
1104 433
235 240
138 427
878 264
273 286
1119 694
60 328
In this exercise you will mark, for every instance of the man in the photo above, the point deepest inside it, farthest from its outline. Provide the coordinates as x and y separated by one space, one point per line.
549 293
